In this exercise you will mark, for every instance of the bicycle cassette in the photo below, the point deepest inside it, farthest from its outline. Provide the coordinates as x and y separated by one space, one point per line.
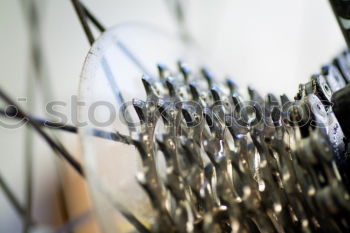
233 162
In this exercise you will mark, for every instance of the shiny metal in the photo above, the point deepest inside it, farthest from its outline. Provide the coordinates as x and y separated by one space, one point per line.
260 165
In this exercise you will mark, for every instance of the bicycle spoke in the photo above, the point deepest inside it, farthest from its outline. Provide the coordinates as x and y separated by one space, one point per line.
32 18
93 19
11 197
28 178
133 58
177 8
61 151
82 18
117 137
122 210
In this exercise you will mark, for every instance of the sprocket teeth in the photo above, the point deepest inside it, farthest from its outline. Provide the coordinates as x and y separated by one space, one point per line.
235 165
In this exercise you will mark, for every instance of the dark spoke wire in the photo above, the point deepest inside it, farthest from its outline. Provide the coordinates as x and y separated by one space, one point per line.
28 179
12 198
139 226
135 222
84 13
82 18
133 58
9 194
36 123
93 19
117 137
61 151
30 9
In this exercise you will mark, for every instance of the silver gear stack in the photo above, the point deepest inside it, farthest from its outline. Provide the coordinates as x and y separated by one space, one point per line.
260 165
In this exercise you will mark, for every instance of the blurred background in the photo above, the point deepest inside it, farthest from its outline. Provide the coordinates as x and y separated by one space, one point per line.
271 45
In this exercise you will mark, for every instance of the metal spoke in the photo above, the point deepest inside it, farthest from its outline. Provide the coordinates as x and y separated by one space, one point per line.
113 136
82 17
93 19
37 79
61 151
11 197
35 70
177 9
84 14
